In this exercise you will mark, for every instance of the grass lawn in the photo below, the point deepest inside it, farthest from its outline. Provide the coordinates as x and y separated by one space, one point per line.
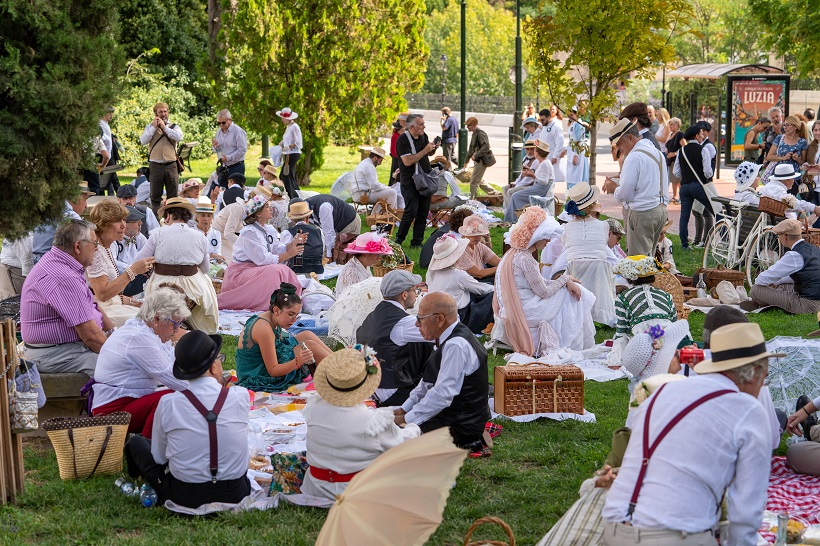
531 479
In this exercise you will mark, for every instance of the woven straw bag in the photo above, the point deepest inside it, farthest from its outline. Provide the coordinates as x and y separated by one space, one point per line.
86 446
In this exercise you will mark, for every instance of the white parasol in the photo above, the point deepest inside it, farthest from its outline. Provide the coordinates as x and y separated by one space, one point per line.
350 310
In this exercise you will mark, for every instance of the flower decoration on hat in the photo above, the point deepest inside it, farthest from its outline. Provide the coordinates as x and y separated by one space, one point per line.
371 364
521 233
377 246
255 204
656 333
572 208
633 267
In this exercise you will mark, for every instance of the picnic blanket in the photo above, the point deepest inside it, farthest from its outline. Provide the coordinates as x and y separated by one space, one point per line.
591 361
797 494
231 323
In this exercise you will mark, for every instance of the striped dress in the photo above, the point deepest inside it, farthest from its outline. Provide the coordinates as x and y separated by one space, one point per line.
636 310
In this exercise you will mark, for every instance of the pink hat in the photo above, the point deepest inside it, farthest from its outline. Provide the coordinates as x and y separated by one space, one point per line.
369 243
474 225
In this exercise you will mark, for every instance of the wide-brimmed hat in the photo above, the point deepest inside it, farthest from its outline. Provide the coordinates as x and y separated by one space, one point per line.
298 209
446 252
441 160
620 130
735 345
369 243
95 200
134 214
127 190
525 228
543 146
264 191
255 204
176 202
634 267
474 225
379 151
269 168
194 354
287 113
650 352
745 175
785 171
191 183
788 227
348 377
581 196
529 120
85 191
205 208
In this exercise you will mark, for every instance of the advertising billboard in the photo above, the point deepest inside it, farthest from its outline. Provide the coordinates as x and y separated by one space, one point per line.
751 96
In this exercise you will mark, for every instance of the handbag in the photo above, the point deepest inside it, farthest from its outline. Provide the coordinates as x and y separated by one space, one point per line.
86 446
222 174
426 183
489 159
24 395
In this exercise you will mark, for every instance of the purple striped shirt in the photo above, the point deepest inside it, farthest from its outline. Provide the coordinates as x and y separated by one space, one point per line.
55 299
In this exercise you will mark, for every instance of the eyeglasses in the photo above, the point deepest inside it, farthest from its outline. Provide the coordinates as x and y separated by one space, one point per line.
176 324
96 243
223 122
221 357
422 317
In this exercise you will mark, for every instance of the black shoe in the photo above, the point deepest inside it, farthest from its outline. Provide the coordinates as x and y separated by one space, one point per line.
810 420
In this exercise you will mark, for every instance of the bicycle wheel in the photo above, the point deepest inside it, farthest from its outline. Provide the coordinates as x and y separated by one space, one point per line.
720 246
764 251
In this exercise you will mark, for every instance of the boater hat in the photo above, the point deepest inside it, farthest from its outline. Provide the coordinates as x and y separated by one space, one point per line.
348 376
619 130
298 209
194 354
735 345
582 195
174 203
785 171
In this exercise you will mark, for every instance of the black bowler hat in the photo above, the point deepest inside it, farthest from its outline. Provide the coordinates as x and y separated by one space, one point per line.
194 354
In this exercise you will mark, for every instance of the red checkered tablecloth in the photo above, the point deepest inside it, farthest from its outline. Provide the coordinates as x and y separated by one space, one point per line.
797 494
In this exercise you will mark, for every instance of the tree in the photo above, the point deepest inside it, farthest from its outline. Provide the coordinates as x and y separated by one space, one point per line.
58 65
588 46
790 28
342 65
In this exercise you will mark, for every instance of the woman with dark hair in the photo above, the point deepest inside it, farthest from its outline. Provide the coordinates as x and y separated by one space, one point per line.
452 226
182 258
268 357
259 260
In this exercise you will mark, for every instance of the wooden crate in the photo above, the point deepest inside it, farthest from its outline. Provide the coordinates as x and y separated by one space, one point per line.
12 474
538 388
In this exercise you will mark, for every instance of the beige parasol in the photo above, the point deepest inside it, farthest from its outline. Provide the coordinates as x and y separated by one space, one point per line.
399 499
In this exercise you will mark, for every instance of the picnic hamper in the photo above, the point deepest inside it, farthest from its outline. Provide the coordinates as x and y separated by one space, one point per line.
88 446
538 388
772 206
388 263
810 235
489 519
713 276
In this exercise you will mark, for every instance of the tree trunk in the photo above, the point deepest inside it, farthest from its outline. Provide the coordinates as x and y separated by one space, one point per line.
593 153
303 175
214 24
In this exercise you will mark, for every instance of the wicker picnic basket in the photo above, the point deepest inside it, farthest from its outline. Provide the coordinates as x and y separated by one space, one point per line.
538 388
713 276
489 519
772 206
380 270
672 286
810 234
88 446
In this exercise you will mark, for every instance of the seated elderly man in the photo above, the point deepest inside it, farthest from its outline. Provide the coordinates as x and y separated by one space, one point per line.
127 197
781 182
335 218
793 282
446 183
366 182
527 176
453 391
43 236
125 252
62 327
138 358
395 336
647 503
187 461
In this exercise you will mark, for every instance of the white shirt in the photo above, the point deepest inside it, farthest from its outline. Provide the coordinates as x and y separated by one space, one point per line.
705 158
553 134
143 195
133 362
457 283
458 360
18 253
776 190
292 139
365 177
106 139
180 433
524 181
231 144
229 221
544 174
326 225
643 185
780 271
258 244
125 251
174 133
177 244
719 445
406 331
214 241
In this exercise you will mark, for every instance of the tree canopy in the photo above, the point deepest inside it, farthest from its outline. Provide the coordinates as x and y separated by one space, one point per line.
59 62
342 65
790 28
585 48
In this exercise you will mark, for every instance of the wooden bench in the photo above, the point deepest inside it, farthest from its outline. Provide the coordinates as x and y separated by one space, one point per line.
63 398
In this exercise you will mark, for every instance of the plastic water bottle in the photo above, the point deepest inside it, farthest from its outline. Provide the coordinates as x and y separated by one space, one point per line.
129 489
119 482
148 497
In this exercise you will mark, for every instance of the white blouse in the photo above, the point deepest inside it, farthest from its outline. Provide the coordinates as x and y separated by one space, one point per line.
292 139
258 244
214 241
457 283
352 273
177 244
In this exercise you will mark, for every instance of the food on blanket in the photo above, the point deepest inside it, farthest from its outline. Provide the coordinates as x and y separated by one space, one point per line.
259 462
299 401
794 531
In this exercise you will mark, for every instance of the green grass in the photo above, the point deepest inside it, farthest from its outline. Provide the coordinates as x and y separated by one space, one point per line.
531 479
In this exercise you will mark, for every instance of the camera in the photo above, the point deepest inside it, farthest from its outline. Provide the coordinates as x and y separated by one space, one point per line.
437 140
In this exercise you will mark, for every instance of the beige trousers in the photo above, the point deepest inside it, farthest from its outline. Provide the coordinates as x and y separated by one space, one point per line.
477 180
804 458
621 534
354 227
785 297
643 228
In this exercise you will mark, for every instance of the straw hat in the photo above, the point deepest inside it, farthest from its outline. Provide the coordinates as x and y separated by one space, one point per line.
446 252
174 203
348 377
379 151
582 195
85 191
95 200
369 243
264 191
298 209
474 225
287 113
205 208
650 352
441 160
543 146
785 171
619 130
745 175
269 168
735 345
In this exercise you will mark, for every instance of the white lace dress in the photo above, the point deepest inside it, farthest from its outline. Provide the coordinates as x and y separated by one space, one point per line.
352 273
555 318
104 266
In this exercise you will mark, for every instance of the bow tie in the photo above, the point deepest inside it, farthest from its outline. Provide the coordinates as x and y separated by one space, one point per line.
130 240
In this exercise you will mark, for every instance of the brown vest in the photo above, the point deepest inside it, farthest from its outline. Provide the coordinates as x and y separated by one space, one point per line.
162 149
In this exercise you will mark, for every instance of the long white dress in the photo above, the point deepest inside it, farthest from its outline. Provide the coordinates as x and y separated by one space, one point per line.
555 318
585 251
580 172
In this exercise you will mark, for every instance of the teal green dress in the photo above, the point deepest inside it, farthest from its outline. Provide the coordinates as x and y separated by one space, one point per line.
250 367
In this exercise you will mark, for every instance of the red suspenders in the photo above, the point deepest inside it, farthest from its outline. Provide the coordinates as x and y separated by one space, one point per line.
210 416
649 449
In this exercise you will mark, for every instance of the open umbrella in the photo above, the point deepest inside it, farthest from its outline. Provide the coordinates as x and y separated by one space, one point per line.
795 374
342 186
350 310
400 498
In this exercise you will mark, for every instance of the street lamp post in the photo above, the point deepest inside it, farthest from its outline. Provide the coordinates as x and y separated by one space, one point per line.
462 132
516 148
443 78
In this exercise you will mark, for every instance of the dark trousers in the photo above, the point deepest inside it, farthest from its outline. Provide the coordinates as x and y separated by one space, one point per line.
289 179
162 177
416 208
394 164
689 193
814 199
93 180
141 463
465 437
109 183
236 168
479 313
136 286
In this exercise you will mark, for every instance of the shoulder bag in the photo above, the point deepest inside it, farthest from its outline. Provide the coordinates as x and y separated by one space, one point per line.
426 183
708 187
180 164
